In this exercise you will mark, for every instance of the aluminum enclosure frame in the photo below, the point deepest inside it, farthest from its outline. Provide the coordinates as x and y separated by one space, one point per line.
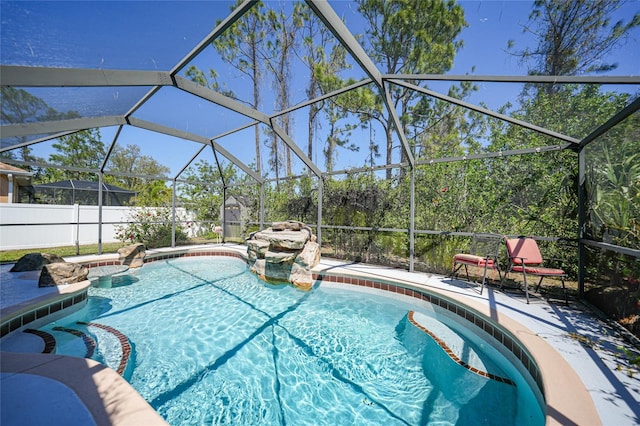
22 76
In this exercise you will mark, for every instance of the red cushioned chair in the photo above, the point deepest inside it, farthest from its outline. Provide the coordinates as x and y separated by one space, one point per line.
524 256
483 254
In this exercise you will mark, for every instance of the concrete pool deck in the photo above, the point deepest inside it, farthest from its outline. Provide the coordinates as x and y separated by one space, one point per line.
587 377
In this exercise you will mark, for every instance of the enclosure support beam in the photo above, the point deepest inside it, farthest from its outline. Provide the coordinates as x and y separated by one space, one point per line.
21 76
488 112
100 183
582 220
412 217
320 195
328 16
195 138
261 205
292 145
396 123
189 162
48 127
173 214
35 141
552 79
224 214
219 29
613 121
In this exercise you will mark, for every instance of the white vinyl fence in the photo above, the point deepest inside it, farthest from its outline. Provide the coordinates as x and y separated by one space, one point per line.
27 226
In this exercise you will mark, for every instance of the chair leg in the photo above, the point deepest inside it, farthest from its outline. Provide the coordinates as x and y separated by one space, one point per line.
539 282
526 286
566 298
504 277
484 277
454 270
466 271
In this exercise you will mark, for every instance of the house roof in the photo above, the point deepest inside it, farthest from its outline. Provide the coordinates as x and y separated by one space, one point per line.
6 169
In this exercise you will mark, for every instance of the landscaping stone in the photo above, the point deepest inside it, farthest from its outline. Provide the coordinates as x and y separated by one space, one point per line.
133 255
310 255
55 274
35 261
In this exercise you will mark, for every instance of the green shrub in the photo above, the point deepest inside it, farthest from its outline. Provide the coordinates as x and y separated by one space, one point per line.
150 226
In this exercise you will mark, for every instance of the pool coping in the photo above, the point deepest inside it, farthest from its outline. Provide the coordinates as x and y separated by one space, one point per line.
109 398
566 397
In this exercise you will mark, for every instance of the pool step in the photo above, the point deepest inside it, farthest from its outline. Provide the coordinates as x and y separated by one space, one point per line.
88 340
455 346
47 338
125 346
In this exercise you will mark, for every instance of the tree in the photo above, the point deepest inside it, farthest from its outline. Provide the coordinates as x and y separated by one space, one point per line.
83 150
574 37
613 183
19 106
410 37
281 47
154 193
315 38
240 46
436 128
337 109
206 198
134 169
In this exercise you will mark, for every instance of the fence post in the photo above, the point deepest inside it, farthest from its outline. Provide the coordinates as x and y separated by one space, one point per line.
76 220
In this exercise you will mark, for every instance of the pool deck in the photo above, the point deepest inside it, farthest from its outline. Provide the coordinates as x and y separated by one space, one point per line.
588 380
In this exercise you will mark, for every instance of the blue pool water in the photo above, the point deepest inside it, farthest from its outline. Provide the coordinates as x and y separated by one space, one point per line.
212 344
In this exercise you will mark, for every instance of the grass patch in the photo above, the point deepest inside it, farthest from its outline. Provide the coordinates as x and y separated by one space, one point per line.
12 256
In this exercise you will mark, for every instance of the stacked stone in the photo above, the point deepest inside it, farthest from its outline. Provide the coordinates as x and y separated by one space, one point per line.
54 270
285 252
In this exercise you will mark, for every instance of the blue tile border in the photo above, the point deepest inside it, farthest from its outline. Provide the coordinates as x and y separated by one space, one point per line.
38 312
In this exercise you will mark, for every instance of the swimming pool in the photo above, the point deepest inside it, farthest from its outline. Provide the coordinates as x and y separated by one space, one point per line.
212 344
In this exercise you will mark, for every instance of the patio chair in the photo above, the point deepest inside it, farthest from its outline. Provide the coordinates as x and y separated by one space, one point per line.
525 257
484 252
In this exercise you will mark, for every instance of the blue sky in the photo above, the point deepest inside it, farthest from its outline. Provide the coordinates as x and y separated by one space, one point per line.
133 35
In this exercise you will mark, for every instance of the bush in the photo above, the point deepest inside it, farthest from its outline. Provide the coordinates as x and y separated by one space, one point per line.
151 226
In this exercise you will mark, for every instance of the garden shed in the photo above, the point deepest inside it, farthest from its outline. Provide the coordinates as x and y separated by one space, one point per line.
235 215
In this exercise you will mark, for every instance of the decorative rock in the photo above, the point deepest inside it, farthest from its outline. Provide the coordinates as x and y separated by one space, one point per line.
259 268
35 261
301 277
286 252
292 240
259 247
55 274
280 256
290 225
133 255
310 255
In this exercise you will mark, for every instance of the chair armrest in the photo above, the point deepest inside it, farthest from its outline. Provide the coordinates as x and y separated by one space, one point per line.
552 260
